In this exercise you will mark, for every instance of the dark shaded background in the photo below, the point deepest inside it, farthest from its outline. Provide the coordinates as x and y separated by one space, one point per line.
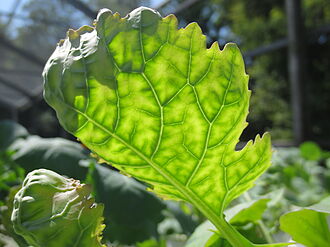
289 70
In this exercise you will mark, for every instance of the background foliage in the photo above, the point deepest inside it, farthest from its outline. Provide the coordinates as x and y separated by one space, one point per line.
298 178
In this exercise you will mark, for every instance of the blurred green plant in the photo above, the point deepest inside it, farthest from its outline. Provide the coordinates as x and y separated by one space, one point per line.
274 187
10 173
51 210
132 212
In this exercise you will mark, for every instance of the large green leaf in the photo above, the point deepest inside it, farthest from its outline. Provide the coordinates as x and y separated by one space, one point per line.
131 212
56 154
309 226
9 132
154 102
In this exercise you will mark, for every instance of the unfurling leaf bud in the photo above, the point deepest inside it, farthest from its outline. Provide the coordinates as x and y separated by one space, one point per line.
51 210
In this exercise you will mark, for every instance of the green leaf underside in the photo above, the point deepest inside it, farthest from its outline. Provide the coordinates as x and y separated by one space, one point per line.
246 212
155 103
309 226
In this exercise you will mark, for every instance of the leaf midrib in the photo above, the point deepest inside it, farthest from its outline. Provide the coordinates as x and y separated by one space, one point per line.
189 195
184 189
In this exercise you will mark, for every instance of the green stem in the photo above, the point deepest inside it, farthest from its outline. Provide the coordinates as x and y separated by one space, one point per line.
226 230
265 232
261 224
231 234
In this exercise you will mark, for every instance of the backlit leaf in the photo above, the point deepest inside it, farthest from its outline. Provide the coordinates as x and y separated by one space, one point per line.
155 103
309 226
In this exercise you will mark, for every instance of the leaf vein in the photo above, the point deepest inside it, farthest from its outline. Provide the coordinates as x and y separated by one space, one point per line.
248 172
207 71
210 125
160 48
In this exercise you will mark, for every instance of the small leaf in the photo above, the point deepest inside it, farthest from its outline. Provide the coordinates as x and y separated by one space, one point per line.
310 151
216 241
308 226
201 235
155 103
244 213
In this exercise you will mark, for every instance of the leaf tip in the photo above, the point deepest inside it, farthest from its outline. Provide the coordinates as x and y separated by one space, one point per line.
172 18
75 34
103 14
143 16
266 136
231 47
215 46
265 139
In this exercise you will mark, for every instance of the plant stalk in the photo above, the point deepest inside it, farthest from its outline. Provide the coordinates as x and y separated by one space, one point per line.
260 223
226 230
231 234
265 232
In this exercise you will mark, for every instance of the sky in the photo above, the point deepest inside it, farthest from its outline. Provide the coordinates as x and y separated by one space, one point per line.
6 6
